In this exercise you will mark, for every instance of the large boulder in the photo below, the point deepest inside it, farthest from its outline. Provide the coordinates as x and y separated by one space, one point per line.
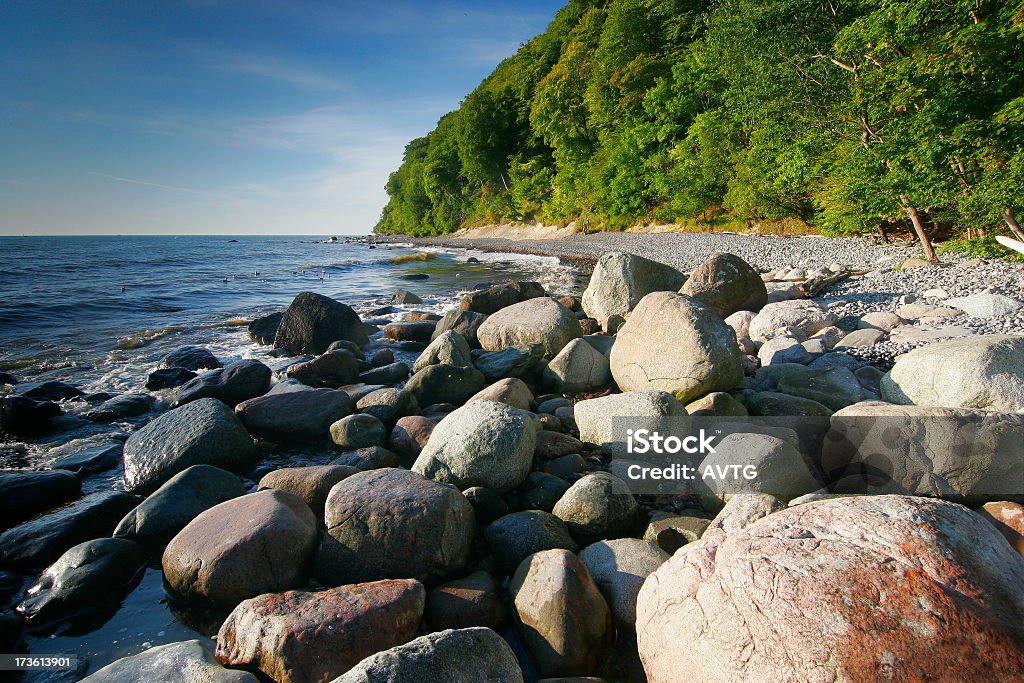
561 618
392 523
984 372
449 348
190 661
777 465
295 637
515 361
204 432
541 321
925 451
167 511
40 541
515 537
594 417
388 405
90 577
25 493
850 589
300 415
410 330
231 384
621 280
313 321
676 344
23 416
492 300
801 314
578 367
445 384
312 483
484 443
257 543
470 655
619 568
727 284
596 507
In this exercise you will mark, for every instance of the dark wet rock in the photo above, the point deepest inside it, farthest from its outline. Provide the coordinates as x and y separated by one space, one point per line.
297 636
382 358
8 378
91 460
405 297
392 523
120 408
24 493
231 384
205 432
168 378
304 414
96 398
445 384
541 491
515 361
487 504
388 405
191 358
22 416
419 331
48 391
515 537
313 321
491 300
472 655
10 632
168 510
465 323
10 585
561 617
190 660
311 483
388 374
468 602
257 543
91 577
346 345
39 542
373 458
565 466
263 330
414 277
410 435
333 370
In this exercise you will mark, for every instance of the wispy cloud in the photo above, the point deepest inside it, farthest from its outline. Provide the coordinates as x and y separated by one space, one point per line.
133 181
265 67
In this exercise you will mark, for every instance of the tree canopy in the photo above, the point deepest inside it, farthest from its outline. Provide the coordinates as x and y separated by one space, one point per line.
851 115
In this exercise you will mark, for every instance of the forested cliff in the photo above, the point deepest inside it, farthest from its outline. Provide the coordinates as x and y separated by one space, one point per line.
846 114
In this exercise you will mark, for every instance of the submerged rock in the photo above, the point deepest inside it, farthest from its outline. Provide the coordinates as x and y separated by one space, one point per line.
24 493
191 358
90 577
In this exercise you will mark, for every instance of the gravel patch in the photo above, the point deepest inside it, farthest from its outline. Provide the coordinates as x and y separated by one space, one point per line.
882 288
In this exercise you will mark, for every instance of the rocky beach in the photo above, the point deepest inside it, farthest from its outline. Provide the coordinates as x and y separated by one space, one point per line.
465 507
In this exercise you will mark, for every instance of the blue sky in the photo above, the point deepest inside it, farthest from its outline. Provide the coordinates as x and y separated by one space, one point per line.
223 116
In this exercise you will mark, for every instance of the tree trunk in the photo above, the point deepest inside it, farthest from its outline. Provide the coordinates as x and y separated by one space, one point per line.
881 233
1010 216
915 219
